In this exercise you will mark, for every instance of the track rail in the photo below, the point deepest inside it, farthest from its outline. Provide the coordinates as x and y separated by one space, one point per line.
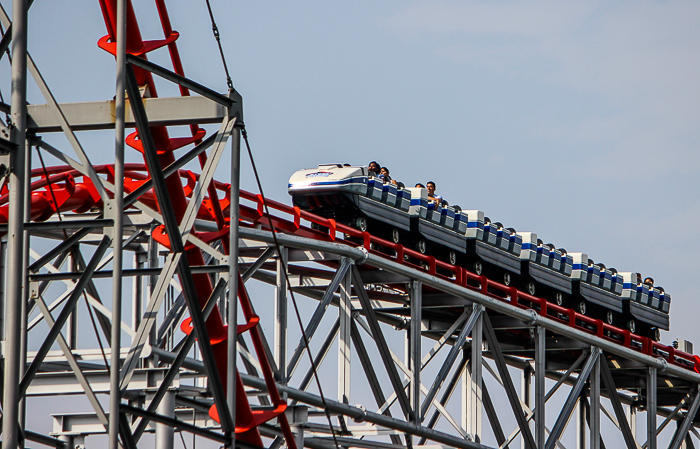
75 193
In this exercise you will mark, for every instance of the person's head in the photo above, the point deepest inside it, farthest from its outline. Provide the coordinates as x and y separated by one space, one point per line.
649 281
384 171
373 166
420 185
430 185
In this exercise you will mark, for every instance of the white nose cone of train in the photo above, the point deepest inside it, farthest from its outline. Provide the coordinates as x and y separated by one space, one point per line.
329 178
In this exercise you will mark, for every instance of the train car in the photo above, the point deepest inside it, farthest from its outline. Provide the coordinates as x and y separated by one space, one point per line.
356 197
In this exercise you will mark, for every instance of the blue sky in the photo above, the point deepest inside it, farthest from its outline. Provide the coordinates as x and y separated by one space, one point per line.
575 120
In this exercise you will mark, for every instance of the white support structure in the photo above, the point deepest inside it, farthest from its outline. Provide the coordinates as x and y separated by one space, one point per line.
345 338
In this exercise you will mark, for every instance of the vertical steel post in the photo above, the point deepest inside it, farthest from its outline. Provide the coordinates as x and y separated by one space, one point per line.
594 420
345 339
540 393
281 314
526 392
138 290
118 231
416 298
152 281
232 311
632 419
581 422
13 319
165 434
651 408
473 381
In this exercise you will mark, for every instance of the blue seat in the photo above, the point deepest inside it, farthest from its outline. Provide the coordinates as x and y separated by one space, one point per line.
403 199
389 194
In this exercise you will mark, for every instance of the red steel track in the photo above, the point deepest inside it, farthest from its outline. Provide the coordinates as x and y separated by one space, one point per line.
65 190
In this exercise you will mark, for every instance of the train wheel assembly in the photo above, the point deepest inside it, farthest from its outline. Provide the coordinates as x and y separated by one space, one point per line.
631 326
609 317
581 307
453 258
506 279
531 288
478 268
421 246
559 298
361 224
395 235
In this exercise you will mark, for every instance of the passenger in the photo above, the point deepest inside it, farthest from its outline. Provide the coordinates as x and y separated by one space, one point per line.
384 175
420 185
400 185
373 168
430 185
649 281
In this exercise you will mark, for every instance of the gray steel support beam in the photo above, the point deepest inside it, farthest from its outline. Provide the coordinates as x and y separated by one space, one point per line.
80 376
269 252
98 115
13 365
233 273
581 426
359 414
344 336
180 80
384 352
594 414
117 212
173 422
339 277
651 408
447 394
172 168
682 430
611 391
63 316
520 417
320 356
468 327
177 247
492 415
174 369
526 391
165 434
368 368
574 395
415 351
540 365
280 305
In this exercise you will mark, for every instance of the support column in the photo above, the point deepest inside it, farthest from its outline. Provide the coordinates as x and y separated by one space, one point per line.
416 298
581 427
632 419
594 423
13 319
281 314
117 206
345 339
152 281
233 271
540 393
651 408
526 393
137 302
472 383
165 434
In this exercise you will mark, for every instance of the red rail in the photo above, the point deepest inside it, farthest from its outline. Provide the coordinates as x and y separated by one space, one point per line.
76 193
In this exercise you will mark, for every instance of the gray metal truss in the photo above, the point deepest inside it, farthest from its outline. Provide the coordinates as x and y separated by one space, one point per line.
364 305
